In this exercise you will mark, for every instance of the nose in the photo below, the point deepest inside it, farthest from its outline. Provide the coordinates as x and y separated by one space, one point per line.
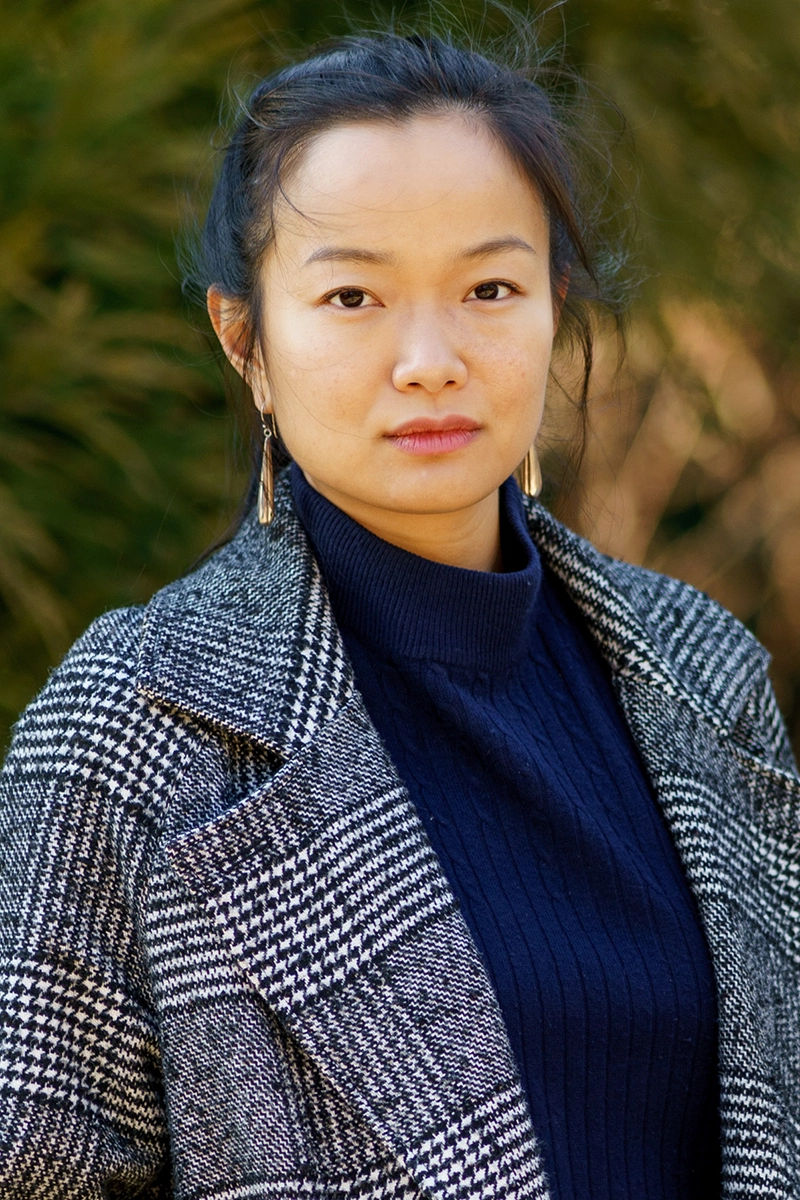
427 357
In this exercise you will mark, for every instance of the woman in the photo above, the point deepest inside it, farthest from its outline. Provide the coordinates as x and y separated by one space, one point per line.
409 847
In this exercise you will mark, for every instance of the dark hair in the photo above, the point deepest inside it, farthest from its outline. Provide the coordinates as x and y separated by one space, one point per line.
392 78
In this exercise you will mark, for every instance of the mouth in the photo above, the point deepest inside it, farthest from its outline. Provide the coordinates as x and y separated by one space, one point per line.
426 435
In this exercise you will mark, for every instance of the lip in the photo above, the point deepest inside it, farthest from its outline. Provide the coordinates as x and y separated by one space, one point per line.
427 435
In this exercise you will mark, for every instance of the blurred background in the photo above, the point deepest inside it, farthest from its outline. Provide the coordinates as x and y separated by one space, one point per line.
119 460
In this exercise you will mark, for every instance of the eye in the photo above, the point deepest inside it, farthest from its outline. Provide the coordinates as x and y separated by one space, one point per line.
350 297
494 289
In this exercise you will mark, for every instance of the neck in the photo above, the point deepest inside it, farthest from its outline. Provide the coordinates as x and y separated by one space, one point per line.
468 538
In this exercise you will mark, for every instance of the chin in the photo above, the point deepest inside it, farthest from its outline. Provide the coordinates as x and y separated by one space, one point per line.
431 498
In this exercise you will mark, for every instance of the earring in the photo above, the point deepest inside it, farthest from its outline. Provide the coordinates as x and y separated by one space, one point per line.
529 474
266 501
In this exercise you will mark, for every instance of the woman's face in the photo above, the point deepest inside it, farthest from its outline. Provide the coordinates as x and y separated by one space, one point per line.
407 318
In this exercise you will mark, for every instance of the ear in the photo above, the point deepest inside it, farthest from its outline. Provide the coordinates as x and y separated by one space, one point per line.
233 331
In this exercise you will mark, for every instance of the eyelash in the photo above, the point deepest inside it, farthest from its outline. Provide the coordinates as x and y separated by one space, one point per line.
498 282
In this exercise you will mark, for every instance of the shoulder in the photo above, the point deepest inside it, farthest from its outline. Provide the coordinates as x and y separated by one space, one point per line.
694 630
90 724
682 620
95 675
712 654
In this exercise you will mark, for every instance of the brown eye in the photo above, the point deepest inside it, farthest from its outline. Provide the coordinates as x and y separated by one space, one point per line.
487 291
350 297
494 289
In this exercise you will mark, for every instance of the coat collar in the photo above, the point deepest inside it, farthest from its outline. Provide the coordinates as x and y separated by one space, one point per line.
249 640
654 628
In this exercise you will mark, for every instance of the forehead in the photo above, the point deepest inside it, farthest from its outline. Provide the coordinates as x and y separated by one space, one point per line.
444 175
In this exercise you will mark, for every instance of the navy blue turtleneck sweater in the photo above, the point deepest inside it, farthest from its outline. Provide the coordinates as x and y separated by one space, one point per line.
499 715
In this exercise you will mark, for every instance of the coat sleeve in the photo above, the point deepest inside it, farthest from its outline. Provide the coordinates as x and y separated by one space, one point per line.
81 1110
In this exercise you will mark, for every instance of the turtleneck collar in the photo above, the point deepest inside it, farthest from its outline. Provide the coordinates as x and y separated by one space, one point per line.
408 607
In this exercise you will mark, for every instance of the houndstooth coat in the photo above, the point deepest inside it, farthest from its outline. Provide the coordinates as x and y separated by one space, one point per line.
231 967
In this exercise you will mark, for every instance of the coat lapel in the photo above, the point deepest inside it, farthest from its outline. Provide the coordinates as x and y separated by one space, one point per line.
322 882
331 901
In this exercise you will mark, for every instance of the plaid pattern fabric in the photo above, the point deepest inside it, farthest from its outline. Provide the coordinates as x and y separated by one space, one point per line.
230 965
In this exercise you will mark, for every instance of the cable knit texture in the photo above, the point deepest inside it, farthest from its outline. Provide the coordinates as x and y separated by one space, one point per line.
500 716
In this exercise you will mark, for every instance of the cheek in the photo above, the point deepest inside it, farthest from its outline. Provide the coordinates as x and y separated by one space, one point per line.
516 365
320 366
323 394
323 399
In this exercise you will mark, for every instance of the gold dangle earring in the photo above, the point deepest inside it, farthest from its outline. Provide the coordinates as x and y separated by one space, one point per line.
529 474
266 499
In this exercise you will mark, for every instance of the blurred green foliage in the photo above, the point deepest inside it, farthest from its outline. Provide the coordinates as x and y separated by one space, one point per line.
118 460
711 92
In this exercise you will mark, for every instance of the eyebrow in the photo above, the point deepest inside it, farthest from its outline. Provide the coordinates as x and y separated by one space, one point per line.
496 246
349 254
374 258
